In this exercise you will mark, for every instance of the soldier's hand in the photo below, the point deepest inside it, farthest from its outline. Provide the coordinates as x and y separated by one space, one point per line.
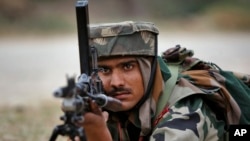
94 124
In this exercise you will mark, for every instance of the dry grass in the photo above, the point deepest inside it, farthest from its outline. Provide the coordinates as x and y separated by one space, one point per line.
29 123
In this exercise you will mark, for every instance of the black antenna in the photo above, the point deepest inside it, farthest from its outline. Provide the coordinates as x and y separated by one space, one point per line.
82 18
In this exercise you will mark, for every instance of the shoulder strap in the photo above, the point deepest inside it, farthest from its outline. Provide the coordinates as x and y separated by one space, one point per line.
169 86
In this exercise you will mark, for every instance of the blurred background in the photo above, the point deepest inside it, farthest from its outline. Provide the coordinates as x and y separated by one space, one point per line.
39 46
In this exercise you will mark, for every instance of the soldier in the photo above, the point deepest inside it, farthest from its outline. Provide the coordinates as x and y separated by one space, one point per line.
158 103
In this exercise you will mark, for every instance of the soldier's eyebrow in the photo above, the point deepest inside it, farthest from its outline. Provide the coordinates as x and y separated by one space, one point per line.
103 66
128 62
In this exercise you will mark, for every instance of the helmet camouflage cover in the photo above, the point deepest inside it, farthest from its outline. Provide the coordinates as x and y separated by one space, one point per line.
124 38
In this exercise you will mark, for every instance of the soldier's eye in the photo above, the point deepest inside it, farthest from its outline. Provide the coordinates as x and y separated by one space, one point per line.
128 66
104 70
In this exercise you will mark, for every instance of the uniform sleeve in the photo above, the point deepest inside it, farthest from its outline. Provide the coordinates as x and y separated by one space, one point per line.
189 120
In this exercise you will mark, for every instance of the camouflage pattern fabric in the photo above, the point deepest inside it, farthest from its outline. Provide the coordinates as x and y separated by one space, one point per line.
233 86
189 119
207 99
124 38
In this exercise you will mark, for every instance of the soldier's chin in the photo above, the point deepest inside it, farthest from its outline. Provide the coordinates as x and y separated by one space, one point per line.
126 106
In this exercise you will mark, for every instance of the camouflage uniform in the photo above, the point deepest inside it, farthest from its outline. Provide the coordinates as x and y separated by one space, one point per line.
197 107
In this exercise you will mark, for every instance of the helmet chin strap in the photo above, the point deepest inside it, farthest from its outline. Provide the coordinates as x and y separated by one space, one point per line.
151 79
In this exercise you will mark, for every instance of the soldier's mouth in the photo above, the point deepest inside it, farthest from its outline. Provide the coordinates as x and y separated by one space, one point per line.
121 95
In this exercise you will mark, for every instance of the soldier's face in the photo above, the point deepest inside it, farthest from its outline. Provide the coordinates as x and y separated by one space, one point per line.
122 80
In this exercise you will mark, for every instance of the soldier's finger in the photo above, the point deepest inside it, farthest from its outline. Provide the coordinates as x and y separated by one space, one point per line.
95 108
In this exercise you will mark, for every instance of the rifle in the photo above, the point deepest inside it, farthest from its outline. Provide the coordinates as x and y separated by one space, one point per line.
89 86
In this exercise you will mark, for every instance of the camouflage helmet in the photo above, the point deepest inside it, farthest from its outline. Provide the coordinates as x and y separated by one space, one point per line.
124 38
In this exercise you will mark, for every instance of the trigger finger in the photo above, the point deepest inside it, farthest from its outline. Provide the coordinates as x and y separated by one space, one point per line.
95 108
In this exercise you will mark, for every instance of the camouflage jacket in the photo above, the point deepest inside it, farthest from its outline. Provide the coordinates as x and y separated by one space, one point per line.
203 102
200 105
